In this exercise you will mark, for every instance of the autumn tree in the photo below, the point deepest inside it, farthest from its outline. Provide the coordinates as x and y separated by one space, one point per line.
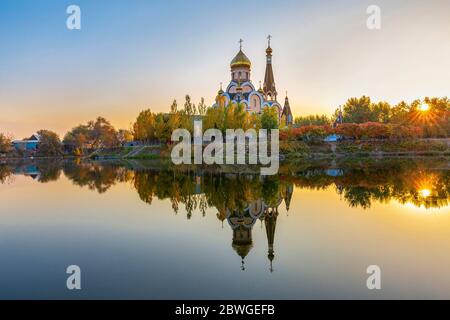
49 144
94 134
78 137
144 127
104 134
214 118
124 136
5 143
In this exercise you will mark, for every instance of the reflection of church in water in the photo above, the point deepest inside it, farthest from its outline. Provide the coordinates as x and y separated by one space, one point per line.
242 222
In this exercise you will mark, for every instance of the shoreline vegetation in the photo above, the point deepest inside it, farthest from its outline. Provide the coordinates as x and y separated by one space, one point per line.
359 128
288 152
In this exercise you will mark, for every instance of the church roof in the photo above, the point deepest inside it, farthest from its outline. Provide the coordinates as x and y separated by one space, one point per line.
287 107
240 60
269 80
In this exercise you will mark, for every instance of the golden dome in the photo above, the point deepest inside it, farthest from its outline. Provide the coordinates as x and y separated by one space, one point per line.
240 60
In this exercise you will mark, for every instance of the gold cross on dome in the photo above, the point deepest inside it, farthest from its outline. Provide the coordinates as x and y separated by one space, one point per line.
240 43
268 38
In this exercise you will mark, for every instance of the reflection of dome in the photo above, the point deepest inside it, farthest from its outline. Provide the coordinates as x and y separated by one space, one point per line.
242 249
240 60
242 242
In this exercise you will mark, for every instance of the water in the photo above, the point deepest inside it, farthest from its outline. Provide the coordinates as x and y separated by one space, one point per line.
137 231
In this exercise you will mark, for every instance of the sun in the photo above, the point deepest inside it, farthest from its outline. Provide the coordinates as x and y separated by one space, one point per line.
424 107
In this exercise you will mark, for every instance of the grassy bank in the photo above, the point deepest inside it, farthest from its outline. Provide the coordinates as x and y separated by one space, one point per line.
292 149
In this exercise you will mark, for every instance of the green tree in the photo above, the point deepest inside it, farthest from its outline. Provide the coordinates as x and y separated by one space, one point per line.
381 112
162 129
317 120
357 110
214 118
400 112
269 118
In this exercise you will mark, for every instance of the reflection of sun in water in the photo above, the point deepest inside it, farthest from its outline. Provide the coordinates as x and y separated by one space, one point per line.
425 193
424 107
424 197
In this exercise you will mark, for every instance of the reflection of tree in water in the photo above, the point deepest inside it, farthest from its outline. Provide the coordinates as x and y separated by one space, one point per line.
96 177
406 183
49 170
5 173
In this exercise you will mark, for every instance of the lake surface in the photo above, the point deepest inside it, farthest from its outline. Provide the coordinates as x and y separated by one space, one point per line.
310 232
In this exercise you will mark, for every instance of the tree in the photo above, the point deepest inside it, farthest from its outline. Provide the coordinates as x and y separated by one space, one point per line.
104 134
5 143
49 144
173 107
381 112
124 136
214 118
269 118
94 134
79 137
317 120
144 127
188 106
252 121
400 112
173 122
162 132
357 110
202 107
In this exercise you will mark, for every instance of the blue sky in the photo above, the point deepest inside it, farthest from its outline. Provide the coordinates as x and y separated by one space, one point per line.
131 55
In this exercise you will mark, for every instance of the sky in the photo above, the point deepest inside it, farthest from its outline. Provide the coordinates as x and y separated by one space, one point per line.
133 55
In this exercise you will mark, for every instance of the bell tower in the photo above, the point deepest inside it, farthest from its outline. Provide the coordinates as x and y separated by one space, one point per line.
270 92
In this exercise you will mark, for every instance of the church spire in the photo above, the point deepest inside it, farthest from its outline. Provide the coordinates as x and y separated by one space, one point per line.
269 81
270 221
287 113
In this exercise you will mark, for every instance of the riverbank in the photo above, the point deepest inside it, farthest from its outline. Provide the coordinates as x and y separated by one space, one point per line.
289 150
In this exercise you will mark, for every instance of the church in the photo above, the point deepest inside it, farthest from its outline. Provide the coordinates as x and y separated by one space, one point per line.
241 89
